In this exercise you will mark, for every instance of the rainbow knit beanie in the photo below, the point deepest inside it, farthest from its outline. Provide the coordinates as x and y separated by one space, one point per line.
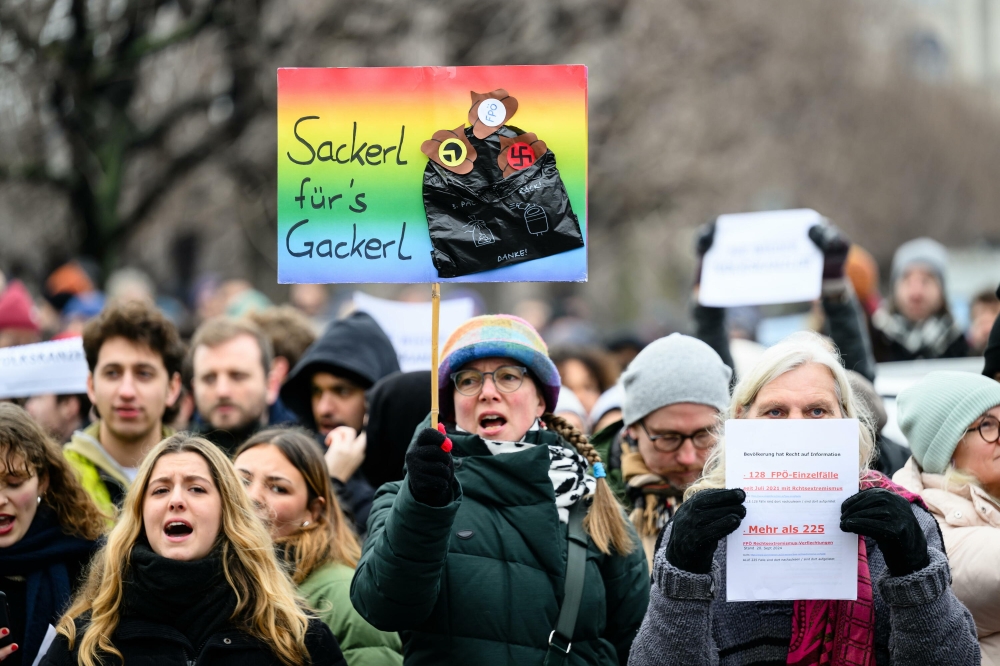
497 336
935 412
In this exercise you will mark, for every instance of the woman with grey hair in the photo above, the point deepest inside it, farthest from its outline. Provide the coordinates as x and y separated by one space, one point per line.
905 613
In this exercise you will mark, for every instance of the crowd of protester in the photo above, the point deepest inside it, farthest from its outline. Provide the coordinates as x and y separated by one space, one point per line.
251 483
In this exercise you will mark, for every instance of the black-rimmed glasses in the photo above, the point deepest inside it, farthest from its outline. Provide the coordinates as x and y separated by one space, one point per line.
669 442
507 379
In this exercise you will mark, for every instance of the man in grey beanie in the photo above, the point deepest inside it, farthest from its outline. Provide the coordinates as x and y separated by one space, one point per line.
674 391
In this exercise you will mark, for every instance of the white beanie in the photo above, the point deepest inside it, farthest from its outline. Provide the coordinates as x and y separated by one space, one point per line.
671 370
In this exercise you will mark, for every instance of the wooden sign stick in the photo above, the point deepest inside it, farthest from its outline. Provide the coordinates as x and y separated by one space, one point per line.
435 317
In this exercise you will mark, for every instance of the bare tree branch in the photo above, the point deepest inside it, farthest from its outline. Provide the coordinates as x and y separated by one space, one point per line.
31 173
169 119
9 21
145 45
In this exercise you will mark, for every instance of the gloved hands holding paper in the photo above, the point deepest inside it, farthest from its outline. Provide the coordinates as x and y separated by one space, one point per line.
887 518
699 524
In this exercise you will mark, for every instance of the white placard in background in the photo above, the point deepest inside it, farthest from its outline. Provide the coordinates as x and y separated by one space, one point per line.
408 325
762 258
58 367
796 474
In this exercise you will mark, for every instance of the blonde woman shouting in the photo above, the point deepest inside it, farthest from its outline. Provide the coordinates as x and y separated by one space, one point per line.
189 577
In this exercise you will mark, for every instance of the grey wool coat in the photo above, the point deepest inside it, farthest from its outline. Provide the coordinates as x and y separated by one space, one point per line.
918 620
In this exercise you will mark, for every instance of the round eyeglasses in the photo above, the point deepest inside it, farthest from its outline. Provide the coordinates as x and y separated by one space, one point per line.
989 430
507 379
669 442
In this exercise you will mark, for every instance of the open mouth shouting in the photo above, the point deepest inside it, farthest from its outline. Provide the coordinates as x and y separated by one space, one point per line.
491 424
6 524
177 530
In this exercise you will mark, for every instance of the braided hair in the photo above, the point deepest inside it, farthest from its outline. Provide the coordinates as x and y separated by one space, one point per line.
605 521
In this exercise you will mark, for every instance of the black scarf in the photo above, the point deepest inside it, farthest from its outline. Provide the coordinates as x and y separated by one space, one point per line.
41 557
192 597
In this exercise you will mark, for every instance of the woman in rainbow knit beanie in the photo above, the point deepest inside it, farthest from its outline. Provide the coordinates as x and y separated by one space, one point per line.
952 421
467 556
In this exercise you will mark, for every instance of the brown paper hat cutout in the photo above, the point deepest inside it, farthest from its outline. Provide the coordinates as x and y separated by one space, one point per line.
481 129
519 153
451 150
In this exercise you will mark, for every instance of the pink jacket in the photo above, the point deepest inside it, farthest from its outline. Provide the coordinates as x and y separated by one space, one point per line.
970 524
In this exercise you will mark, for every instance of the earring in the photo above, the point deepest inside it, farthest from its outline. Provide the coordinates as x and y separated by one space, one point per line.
39 499
305 524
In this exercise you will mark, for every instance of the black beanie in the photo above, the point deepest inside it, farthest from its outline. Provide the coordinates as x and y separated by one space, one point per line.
992 352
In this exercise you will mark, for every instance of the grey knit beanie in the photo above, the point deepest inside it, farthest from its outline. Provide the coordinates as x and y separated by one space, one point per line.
674 369
924 251
935 412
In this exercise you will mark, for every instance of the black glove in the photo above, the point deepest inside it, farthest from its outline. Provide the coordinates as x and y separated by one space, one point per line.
887 517
834 245
699 523
704 238
430 469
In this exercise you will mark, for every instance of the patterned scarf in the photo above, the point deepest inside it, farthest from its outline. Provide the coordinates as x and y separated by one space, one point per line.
930 337
842 633
567 470
653 499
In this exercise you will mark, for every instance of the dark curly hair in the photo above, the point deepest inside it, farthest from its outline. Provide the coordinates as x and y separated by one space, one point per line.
139 323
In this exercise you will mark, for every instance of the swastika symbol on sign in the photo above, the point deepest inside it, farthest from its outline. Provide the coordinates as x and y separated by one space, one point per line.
452 152
520 156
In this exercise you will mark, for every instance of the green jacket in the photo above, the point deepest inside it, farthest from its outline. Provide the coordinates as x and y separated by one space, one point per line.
101 476
328 591
480 580
609 448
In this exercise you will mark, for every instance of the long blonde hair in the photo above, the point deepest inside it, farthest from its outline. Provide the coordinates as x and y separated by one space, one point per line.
793 352
328 538
605 521
267 606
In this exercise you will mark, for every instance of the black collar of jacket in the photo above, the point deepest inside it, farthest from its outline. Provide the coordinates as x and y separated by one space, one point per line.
135 629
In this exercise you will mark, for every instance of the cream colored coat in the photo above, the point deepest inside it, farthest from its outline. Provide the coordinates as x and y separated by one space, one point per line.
970 525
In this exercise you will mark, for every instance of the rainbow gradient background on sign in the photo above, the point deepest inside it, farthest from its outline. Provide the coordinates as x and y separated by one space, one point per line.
552 103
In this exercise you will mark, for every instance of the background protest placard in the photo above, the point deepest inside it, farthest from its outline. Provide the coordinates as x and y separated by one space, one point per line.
796 474
58 367
408 325
432 174
762 258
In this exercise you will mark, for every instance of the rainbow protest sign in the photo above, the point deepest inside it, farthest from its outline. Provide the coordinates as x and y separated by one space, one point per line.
432 174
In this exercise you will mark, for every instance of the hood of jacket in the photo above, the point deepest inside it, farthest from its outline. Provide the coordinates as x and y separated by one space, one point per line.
355 348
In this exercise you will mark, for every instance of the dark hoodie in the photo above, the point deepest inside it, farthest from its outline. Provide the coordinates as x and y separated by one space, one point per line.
397 404
355 348
992 366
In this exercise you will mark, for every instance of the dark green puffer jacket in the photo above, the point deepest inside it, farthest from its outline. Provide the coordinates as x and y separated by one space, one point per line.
480 580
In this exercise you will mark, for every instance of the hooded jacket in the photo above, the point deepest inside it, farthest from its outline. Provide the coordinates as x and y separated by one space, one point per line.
355 348
970 524
100 475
